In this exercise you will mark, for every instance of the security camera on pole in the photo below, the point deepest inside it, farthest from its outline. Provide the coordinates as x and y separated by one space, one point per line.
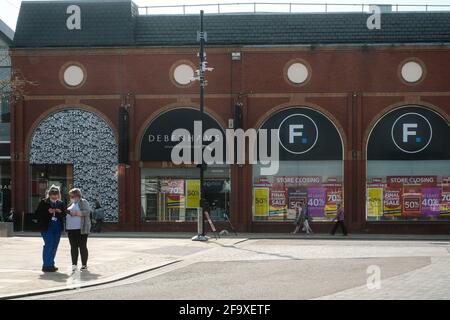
200 76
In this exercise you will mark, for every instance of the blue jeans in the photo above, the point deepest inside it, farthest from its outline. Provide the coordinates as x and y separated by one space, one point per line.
51 241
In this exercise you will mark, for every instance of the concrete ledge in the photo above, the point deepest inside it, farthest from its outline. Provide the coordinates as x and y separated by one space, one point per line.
6 229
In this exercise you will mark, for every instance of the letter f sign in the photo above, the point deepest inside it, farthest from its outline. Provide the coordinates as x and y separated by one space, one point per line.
407 132
293 133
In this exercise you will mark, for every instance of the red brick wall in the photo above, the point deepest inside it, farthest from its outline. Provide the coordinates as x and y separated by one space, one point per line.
336 73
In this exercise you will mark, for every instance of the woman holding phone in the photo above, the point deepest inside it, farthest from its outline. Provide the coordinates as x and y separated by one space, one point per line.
78 226
50 214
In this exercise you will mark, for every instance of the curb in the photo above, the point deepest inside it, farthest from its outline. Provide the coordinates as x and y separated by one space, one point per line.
88 284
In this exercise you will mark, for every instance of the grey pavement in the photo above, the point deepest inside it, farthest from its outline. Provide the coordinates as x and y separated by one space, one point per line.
110 259
283 269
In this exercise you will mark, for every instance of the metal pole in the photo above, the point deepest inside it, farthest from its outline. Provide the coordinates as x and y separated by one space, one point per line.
201 224
202 111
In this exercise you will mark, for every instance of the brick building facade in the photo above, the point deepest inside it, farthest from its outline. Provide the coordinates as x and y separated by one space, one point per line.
358 89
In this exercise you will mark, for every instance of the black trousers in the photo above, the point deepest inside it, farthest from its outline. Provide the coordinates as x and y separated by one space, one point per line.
342 225
78 243
98 225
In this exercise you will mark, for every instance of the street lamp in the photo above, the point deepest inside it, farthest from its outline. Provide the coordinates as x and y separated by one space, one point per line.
200 76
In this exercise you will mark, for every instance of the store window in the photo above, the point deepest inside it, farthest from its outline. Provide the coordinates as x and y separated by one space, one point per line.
310 170
408 167
171 193
174 194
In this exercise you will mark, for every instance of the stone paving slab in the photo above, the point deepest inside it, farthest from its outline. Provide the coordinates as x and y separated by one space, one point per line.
109 259
431 282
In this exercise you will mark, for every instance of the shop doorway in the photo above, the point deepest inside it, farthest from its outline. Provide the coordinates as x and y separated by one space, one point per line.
171 195
45 175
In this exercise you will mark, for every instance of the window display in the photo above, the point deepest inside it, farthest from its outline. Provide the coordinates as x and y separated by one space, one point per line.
174 194
408 169
277 198
310 168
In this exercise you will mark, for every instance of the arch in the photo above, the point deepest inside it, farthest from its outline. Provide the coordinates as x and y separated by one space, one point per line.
80 137
301 104
393 107
170 107
283 107
62 107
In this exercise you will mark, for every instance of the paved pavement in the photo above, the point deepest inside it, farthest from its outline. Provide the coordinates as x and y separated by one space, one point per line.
110 259
253 269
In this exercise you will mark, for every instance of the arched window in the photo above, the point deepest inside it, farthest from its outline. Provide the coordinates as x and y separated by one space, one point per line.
171 193
408 166
75 148
310 168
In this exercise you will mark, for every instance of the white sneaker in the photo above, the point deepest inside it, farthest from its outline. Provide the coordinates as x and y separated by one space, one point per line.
84 268
74 268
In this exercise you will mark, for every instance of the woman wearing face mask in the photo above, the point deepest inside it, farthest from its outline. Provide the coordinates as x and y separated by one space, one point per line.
50 214
78 226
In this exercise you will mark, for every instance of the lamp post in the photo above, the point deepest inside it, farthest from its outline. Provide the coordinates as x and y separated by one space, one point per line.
202 37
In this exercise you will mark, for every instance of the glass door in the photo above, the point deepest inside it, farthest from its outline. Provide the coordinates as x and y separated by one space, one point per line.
45 175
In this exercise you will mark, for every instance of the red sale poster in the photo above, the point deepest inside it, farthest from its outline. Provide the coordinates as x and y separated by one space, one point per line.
412 201
333 192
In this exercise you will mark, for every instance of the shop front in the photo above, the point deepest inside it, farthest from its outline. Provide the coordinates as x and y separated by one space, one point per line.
71 148
408 168
310 170
170 194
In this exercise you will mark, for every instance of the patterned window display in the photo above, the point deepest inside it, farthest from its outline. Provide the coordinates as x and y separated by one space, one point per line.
87 142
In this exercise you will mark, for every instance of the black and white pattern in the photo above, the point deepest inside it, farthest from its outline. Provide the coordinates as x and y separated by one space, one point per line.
81 138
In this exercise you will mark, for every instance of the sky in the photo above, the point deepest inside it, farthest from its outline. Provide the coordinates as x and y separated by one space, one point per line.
9 9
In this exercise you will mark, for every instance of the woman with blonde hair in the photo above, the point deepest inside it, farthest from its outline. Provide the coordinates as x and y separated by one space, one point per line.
78 226
50 214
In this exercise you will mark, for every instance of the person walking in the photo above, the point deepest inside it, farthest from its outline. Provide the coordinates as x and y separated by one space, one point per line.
340 221
78 226
307 217
299 219
50 214
98 215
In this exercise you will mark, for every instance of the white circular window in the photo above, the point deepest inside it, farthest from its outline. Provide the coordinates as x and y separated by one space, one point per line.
73 76
183 74
297 73
412 71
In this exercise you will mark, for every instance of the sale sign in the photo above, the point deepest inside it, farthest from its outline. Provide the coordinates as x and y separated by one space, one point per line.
174 190
374 201
333 196
413 180
316 201
392 205
431 198
193 193
261 201
295 197
445 202
278 207
412 204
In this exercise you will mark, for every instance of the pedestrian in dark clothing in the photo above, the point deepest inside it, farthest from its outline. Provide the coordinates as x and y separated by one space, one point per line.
99 216
340 221
50 214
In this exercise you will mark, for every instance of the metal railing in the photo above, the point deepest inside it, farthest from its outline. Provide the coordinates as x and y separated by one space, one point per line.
283 7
